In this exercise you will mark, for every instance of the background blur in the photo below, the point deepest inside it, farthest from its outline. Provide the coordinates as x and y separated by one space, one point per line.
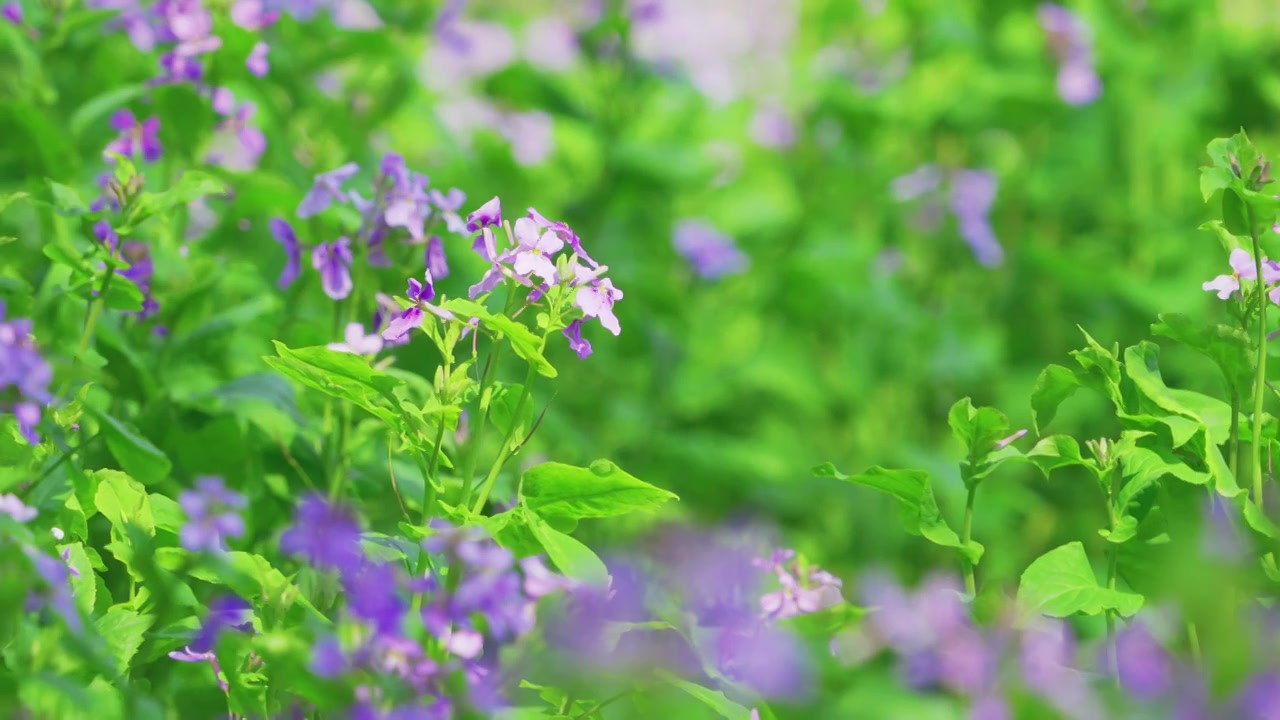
929 198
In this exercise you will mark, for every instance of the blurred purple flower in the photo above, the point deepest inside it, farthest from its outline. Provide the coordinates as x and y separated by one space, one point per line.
712 253
213 512
257 62
135 138
550 44
236 144
1260 698
449 204
188 655
325 534
355 341
771 127
283 233
22 367
226 611
333 260
972 194
13 506
12 11
1144 667
766 659
326 189
56 595
1071 41
253 15
437 264
921 181
372 595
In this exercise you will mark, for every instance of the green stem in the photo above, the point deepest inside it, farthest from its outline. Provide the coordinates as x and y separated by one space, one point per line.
91 322
970 581
603 704
1260 379
1234 445
1193 639
1113 557
429 481
504 452
478 428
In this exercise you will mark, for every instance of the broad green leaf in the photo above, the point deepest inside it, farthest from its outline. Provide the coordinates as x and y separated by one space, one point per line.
168 513
7 199
342 375
502 402
1125 530
1233 213
136 454
66 199
573 558
1054 385
1143 467
83 582
1259 522
123 501
1057 451
564 493
714 699
124 630
1061 583
525 344
1213 179
1100 367
1227 346
914 492
978 429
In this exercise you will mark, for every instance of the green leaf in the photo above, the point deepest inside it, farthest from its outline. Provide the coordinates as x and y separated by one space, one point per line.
502 401
124 630
714 699
1057 451
523 341
914 492
1233 213
1125 530
84 586
978 429
192 185
1061 583
123 501
573 558
564 493
342 375
66 199
1228 347
1259 522
1100 367
135 453
102 105
1053 386
1213 179
1143 467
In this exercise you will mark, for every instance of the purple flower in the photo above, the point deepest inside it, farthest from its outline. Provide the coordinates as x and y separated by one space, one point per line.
437 264
487 215
135 138
56 595
1143 666
596 301
252 14
766 659
1243 267
534 250
565 233
12 11
326 535
212 513
283 233
372 595
327 658
770 127
449 204
257 61
412 317
972 194
1069 38
1260 698
333 260
355 341
921 181
712 253
22 367
326 189
188 655
225 611
236 145
818 590
577 343
407 202
13 506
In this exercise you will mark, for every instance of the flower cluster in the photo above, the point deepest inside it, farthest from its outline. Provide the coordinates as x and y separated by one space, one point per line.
711 253
1244 268
541 255
970 196
24 375
479 598
709 587
1072 43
